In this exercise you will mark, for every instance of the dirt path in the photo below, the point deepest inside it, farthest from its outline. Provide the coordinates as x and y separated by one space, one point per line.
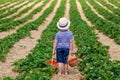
74 73
33 8
103 6
24 46
114 49
6 33
111 4
3 4
92 8
82 13
99 15
22 8
11 4
14 8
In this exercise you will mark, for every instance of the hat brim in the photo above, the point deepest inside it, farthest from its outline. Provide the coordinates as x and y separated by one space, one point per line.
63 28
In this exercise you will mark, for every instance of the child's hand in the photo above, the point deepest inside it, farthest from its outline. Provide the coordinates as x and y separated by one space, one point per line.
53 53
72 53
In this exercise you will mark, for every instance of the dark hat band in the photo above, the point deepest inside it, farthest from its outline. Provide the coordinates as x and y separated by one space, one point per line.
63 26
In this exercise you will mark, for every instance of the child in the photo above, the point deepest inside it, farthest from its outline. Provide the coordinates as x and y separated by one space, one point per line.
63 44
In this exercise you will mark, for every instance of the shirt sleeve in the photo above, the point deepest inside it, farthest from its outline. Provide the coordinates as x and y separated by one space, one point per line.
56 37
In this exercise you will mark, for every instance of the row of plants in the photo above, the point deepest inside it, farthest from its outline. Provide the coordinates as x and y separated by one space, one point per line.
95 63
3 4
27 9
13 24
115 2
34 65
14 4
8 42
7 20
110 29
109 16
116 11
10 12
4 1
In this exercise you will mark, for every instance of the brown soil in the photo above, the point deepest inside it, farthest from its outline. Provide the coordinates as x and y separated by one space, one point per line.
4 4
74 74
92 8
6 33
24 46
14 8
82 14
9 5
33 8
114 49
103 7
111 4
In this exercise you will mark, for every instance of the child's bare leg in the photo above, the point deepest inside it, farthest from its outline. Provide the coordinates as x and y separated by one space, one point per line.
66 69
59 68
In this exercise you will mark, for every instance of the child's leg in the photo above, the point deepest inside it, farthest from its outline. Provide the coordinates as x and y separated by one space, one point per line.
59 68
66 69
59 60
65 61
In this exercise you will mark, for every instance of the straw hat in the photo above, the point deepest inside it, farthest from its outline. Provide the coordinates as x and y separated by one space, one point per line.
63 24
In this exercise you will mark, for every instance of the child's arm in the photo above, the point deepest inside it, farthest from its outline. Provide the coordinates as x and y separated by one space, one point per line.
54 47
72 46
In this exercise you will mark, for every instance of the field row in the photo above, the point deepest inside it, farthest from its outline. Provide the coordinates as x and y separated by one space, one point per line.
9 41
41 52
111 20
92 52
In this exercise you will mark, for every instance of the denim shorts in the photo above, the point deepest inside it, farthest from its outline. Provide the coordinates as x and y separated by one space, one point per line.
62 54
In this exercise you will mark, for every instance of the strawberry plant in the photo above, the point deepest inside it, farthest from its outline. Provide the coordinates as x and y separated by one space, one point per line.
95 63
13 24
7 20
109 16
115 2
16 3
108 28
114 10
35 62
9 41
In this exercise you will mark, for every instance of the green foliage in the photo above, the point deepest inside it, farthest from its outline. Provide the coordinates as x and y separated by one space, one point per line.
7 78
3 10
116 11
10 12
34 66
95 63
109 16
10 23
8 42
108 28
115 2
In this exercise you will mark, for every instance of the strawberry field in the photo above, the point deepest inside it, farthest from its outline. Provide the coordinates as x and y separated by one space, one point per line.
28 27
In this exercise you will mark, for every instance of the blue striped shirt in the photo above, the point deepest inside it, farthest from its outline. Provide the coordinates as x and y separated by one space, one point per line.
63 38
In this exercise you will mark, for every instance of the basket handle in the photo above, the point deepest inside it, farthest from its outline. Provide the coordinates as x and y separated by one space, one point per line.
71 56
53 56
